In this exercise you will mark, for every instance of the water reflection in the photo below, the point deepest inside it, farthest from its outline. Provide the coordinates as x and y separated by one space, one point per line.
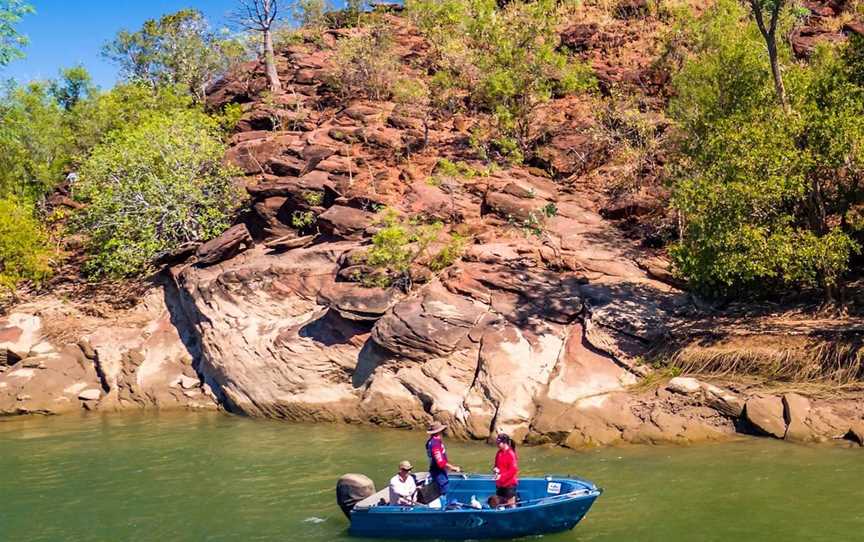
213 477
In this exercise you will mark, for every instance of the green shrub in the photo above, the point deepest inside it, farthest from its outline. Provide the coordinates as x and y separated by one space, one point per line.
396 246
303 220
313 197
505 60
763 195
448 255
24 250
152 188
364 65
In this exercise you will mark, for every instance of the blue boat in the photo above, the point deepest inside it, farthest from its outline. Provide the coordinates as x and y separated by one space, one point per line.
544 505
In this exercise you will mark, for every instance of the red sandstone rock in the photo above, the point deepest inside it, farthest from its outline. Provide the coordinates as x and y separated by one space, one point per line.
236 239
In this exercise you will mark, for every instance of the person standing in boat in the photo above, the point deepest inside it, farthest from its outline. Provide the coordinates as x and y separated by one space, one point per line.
506 470
439 465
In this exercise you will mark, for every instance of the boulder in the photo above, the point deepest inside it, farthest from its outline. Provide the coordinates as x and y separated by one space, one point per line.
357 302
431 324
92 394
233 241
684 385
765 413
48 385
579 37
805 39
345 222
631 9
796 411
19 333
723 401
514 208
854 28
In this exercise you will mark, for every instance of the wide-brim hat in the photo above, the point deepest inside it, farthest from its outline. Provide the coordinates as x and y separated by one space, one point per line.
436 428
405 465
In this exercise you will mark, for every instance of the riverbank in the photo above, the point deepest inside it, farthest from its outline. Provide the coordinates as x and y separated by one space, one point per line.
188 476
151 357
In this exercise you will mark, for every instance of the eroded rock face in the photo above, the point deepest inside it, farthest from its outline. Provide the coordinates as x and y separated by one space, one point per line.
132 362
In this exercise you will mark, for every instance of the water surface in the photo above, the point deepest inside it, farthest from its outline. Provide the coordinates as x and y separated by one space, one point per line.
213 477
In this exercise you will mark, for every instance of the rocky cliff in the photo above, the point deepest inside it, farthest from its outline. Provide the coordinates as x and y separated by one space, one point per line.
541 328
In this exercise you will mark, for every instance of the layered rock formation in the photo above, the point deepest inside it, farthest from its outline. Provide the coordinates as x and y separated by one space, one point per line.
541 328
60 359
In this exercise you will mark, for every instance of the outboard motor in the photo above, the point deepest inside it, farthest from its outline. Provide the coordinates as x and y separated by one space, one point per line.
351 489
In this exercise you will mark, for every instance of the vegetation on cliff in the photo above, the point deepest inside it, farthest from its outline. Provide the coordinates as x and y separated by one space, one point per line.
768 191
760 147
172 189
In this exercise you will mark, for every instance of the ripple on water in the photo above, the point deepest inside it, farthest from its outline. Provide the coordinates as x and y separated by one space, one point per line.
193 477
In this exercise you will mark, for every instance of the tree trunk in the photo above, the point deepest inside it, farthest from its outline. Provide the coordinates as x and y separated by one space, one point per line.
779 88
270 63
769 34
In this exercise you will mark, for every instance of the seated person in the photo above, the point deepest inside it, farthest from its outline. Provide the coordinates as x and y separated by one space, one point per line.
494 501
403 486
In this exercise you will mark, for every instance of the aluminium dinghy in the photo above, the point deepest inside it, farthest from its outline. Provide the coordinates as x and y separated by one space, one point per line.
544 505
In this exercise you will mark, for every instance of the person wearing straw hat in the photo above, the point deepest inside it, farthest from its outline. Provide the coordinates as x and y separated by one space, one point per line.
439 465
403 486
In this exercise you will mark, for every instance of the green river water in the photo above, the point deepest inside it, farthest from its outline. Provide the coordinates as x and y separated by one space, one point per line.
213 477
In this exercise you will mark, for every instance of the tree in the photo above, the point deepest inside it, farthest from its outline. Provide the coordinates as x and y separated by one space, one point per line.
176 49
74 85
262 16
153 187
24 252
35 141
11 12
772 9
766 200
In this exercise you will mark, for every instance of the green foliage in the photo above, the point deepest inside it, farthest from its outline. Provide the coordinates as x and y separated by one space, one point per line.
410 92
448 255
853 57
74 85
303 220
35 141
504 60
24 252
311 13
365 65
396 246
764 195
11 42
313 197
177 49
123 107
153 187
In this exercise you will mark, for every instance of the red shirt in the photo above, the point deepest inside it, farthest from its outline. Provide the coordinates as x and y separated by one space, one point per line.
508 467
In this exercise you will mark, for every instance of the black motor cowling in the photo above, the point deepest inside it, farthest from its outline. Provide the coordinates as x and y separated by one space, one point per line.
351 489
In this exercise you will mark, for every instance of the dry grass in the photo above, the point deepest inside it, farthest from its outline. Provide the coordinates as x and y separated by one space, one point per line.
790 361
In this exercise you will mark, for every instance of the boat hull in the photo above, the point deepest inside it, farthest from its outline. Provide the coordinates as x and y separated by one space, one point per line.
554 513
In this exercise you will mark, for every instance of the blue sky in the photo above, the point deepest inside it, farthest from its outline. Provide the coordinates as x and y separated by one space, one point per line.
64 33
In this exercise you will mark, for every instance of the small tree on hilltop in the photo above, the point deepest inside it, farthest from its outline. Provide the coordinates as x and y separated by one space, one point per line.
176 49
261 16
